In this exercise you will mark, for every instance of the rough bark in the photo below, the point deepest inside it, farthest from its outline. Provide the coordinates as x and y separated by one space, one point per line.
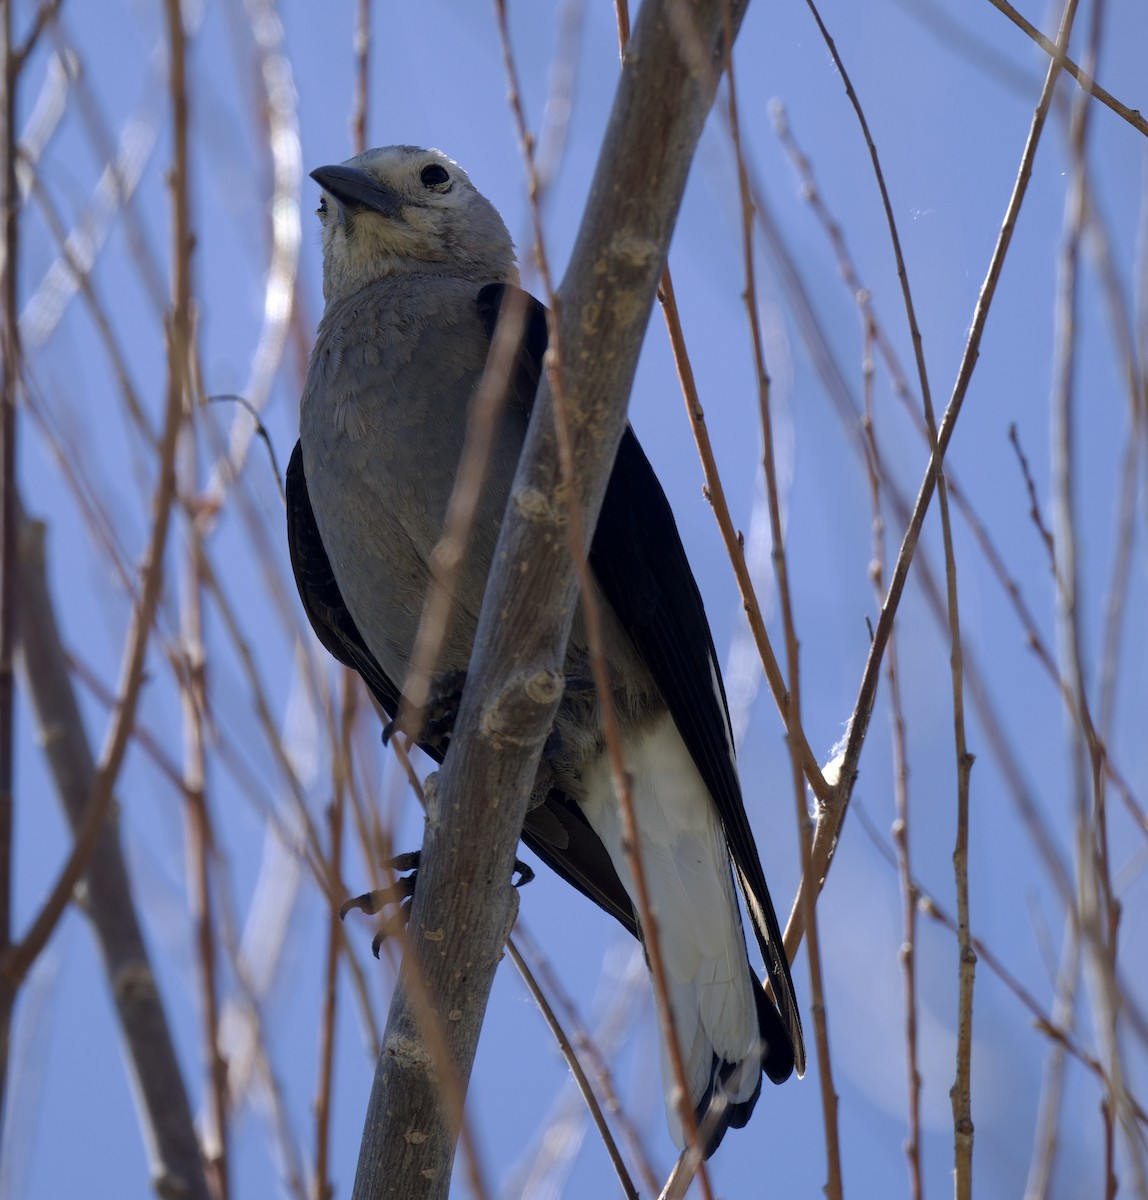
105 891
464 905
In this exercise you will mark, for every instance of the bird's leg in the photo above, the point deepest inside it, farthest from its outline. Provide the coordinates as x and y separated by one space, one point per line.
554 749
371 902
577 686
402 891
399 892
442 707
437 723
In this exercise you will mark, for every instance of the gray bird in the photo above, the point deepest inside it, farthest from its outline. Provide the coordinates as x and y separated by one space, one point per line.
416 266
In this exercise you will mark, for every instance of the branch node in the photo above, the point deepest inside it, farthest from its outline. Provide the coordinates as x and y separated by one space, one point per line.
511 715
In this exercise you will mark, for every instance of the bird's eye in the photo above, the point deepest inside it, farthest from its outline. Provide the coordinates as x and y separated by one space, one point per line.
436 177
322 209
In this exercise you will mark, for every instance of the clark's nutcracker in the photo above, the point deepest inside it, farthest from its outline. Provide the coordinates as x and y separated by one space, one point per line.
416 265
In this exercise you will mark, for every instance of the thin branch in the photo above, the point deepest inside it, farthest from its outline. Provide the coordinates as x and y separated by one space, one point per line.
200 838
569 1054
10 369
280 110
852 419
833 815
180 355
901 838
1046 1139
587 1047
1099 910
735 549
362 75
1033 500
46 14
1090 86
961 1093
834 1184
324 1188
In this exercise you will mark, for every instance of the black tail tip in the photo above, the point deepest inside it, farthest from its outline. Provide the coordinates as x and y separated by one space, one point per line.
715 1112
778 1058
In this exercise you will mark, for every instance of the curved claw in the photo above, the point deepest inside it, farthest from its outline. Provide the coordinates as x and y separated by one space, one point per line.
435 723
402 891
364 903
409 861
398 920
398 892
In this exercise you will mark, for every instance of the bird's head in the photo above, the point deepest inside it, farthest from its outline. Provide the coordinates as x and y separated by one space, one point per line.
402 210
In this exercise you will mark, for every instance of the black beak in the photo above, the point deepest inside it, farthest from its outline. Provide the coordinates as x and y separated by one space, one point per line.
353 189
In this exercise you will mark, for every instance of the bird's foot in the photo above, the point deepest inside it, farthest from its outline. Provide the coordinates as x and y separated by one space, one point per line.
525 874
438 718
401 893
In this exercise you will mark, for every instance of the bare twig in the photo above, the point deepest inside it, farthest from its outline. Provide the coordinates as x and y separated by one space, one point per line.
571 1057
200 838
324 1188
1087 83
1099 910
362 75
834 1184
587 1048
180 355
1045 1142
833 815
961 1093
9 383
1033 500
852 419
281 114
45 15
901 838
715 492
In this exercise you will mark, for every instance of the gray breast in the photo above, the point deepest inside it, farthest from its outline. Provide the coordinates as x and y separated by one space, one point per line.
382 423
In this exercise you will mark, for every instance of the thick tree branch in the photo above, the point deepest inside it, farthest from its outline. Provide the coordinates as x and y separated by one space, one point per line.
464 905
164 1109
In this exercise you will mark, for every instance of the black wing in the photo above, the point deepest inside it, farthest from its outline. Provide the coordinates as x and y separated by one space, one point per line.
322 601
641 565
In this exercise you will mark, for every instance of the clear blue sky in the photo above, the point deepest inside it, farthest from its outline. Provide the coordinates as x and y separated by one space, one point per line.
948 90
